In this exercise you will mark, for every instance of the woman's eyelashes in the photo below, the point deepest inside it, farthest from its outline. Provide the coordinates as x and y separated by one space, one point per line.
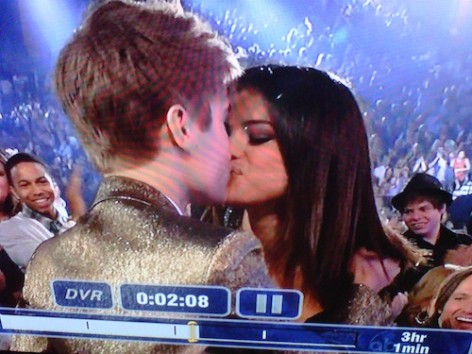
259 132
256 132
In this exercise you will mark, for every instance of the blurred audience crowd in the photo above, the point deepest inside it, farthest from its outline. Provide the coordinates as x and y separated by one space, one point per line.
414 94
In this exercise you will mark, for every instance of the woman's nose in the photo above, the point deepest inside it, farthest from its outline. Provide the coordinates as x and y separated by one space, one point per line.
237 143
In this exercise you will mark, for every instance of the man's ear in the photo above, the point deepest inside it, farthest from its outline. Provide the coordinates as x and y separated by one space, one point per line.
442 211
444 218
178 122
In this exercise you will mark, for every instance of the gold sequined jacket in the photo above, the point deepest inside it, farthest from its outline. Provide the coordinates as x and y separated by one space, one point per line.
134 235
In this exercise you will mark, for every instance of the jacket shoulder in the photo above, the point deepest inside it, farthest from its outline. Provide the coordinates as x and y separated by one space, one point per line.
239 262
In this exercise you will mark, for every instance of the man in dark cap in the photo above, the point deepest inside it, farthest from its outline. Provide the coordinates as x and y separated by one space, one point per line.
423 203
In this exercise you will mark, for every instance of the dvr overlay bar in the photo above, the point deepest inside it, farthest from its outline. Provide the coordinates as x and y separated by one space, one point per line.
237 333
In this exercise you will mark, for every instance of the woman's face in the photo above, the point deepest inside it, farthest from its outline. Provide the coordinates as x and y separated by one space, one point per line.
257 170
457 312
4 188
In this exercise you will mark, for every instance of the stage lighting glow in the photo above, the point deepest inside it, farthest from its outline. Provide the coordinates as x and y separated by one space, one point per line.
46 25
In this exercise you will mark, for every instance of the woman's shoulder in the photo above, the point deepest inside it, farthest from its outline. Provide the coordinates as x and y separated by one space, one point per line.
361 306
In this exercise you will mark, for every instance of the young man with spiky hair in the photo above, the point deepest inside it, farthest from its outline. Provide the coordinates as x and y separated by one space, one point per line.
146 87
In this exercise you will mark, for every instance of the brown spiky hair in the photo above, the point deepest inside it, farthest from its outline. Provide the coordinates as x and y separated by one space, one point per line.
128 64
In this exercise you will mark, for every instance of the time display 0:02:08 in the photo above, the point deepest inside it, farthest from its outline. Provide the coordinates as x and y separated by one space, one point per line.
207 300
161 299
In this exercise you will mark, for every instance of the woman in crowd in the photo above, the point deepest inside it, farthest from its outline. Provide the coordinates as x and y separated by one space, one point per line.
11 277
419 308
453 306
7 205
301 170
461 167
417 311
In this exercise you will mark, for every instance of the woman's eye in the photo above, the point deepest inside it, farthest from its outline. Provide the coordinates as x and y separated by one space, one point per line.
260 139
259 133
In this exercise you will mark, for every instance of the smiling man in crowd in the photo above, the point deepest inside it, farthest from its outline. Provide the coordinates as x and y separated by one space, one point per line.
40 218
423 204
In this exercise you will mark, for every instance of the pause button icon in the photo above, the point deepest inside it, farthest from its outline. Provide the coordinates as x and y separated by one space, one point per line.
269 303
261 304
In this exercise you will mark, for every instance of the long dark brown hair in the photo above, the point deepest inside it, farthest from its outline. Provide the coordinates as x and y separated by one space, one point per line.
329 209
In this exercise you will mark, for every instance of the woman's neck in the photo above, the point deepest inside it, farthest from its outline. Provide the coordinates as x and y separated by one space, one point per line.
266 224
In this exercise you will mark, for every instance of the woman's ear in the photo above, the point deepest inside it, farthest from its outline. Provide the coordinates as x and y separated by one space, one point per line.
178 122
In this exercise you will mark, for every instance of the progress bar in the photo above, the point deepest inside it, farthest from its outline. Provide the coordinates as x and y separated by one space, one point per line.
236 333
189 331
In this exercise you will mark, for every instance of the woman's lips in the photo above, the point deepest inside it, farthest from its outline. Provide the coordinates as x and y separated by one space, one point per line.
236 172
236 168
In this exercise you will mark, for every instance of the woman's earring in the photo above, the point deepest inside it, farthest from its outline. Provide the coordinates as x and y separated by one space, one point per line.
422 318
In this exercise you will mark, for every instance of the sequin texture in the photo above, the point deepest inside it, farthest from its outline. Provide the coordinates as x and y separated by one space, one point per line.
134 235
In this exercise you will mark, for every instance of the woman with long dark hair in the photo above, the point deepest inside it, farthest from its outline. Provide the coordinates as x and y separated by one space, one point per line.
301 170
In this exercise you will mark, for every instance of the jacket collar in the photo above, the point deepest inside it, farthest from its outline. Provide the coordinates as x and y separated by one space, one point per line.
117 187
